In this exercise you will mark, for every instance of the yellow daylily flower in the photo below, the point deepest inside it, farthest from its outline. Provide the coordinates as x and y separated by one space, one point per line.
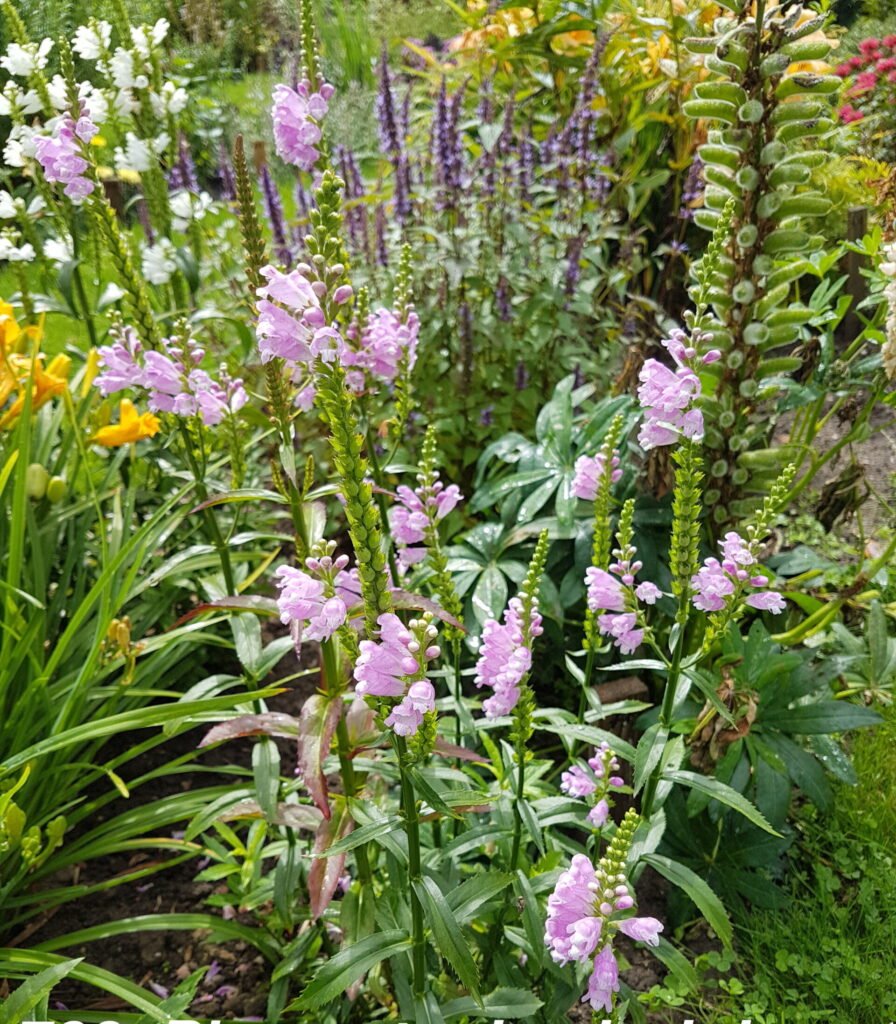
91 369
12 336
132 426
46 383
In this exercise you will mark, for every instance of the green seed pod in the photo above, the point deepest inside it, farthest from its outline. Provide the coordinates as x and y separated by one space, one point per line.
735 359
789 174
720 513
773 65
36 478
747 236
772 153
748 388
726 419
716 110
56 489
799 110
721 178
751 112
796 131
805 81
768 205
731 92
719 468
756 334
740 476
785 240
726 156
808 204
772 299
793 314
700 44
784 335
763 265
778 366
744 292
711 496
712 438
748 178
807 49
807 28
707 219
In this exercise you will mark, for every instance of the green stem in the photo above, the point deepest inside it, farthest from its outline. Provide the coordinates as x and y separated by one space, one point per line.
666 709
207 514
412 828
520 789
381 501
349 779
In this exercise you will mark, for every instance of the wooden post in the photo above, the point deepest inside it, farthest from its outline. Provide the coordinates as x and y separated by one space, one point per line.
856 284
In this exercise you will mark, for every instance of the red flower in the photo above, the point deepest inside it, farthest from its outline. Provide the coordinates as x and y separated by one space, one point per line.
856 62
865 81
890 41
848 114
887 64
868 46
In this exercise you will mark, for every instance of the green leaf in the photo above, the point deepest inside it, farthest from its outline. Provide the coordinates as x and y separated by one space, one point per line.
677 964
724 794
218 926
13 962
533 922
822 718
648 753
475 892
708 903
32 990
447 934
502 1004
344 969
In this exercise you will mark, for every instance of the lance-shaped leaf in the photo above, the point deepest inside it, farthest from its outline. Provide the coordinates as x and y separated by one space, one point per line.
288 815
446 749
325 872
317 723
271 723
254 604
336 975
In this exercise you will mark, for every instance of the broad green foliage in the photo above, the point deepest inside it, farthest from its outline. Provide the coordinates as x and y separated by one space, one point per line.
432 487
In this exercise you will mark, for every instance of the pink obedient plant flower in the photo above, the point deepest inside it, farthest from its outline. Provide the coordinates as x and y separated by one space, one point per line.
418 512
296 114
589 470
291 323
594 783
171 378
395 666
388 343
316 602
615 600
505 656
61 155
717 584
667 396
582 920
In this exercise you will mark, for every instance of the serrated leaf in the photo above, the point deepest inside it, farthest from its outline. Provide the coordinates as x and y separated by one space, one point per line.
502 1004
447 935
318 719
325 872
724 794
339 973
707 902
